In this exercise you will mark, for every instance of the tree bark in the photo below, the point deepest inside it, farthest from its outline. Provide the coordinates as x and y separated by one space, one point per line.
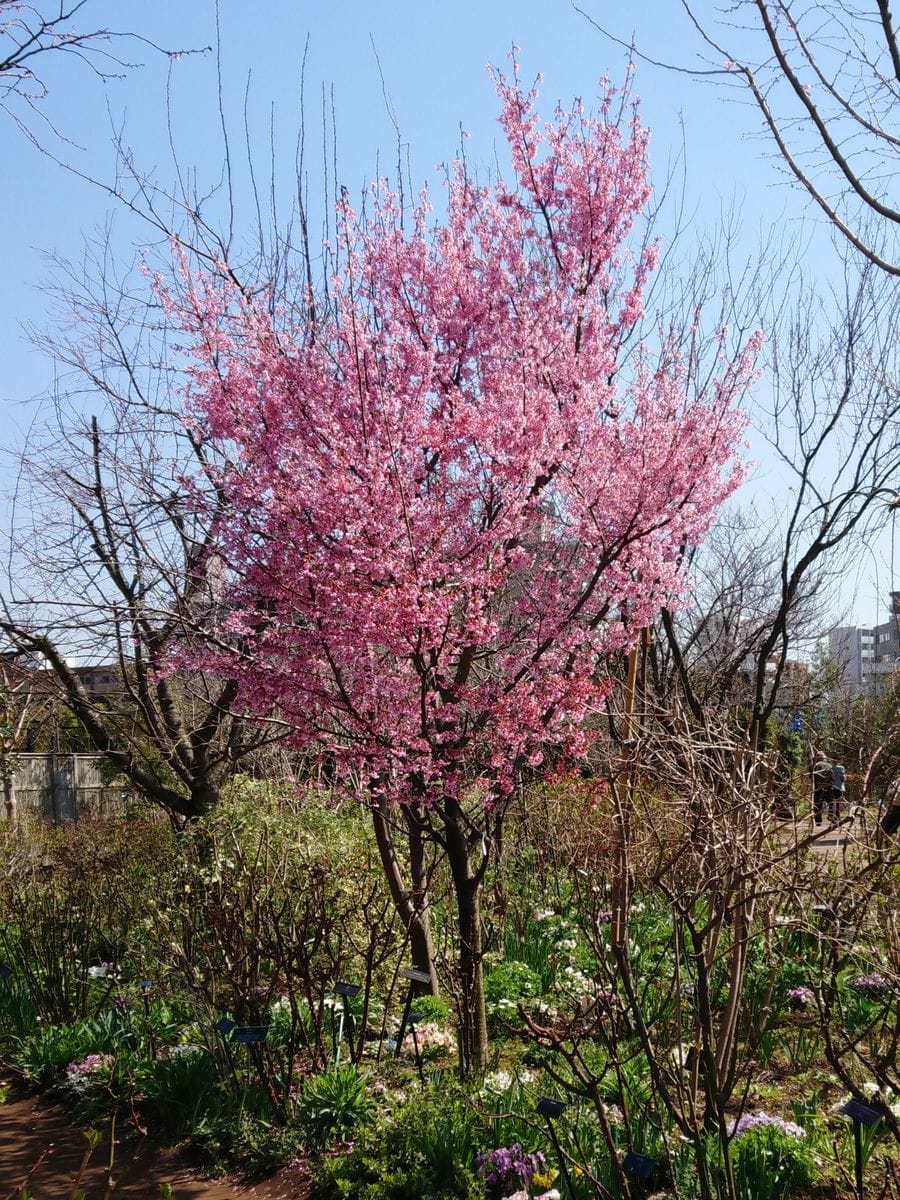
467 886
411 904
9 798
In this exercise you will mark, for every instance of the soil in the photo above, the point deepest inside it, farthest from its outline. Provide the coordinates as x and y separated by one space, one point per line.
41 1148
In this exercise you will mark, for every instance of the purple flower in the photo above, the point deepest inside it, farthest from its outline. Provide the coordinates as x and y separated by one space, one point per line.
873 983
507 1168
81 1074
801 997
755 1120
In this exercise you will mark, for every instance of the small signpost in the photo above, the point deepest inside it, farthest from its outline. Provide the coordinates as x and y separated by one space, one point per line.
551 1110
249 1035
639 1167
414 1019
861 1115
347 992
418 981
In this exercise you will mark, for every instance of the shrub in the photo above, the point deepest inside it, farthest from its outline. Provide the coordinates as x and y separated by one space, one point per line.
426 1149
512 981
771 1158
433 1008
182 1091
246 1140
334 1105
45 1055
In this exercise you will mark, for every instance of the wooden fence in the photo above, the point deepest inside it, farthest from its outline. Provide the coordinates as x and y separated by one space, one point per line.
62 787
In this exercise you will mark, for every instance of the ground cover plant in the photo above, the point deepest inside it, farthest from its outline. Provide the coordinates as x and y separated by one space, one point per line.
257 913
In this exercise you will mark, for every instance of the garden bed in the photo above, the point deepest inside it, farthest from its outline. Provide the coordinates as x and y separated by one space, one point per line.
238 990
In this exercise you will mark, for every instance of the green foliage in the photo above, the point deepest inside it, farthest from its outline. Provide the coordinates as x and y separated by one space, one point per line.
255 913
512 981
427 1148
184 1091
433 1008
73 897
245 1139
771 1165
334 1105
537 947
44 1056
18 1013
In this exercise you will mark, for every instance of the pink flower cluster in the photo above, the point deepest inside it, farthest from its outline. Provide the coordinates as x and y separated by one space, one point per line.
81 1074
450 505
433 1040
873 983
801 997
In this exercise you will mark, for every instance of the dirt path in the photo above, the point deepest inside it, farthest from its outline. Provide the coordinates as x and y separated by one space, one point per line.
40 1146
834 840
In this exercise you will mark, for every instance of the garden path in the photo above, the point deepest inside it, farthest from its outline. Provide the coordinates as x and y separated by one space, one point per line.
39 1139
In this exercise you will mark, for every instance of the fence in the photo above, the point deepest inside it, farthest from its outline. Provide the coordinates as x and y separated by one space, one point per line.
62 787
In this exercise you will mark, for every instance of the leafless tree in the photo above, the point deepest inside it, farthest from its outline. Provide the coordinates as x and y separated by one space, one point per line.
831 417
109 553
735 598
30 33
689 811
826 78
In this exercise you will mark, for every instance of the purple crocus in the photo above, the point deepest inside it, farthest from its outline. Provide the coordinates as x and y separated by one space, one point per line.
873 983
507 1168
755 1120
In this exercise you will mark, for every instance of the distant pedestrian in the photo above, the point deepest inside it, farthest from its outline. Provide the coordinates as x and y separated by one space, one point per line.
838 789
890 813
821 790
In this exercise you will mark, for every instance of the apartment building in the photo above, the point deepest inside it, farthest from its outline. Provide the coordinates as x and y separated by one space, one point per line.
868 657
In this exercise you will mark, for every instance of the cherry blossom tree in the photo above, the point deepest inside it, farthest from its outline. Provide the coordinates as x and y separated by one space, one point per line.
452 502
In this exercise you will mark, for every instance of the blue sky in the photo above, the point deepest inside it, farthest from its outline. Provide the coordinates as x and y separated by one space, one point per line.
432 74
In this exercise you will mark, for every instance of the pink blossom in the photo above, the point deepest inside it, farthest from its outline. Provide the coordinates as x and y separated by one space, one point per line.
446 514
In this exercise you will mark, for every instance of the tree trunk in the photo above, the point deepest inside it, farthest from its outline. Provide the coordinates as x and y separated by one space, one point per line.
467 885
9 797
411 905
421 947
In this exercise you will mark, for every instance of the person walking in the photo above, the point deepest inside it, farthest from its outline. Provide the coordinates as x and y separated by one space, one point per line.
821 775
890 812
838 790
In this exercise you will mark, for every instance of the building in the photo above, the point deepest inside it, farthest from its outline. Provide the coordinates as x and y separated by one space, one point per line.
868 658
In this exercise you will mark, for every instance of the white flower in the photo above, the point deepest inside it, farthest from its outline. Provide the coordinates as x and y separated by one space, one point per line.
183 1050
503 1004
496 1083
